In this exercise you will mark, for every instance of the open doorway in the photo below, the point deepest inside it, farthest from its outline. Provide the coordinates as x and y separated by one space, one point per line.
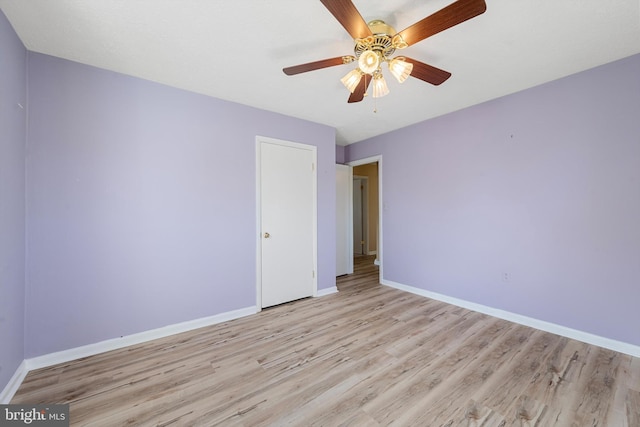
367 212
360 215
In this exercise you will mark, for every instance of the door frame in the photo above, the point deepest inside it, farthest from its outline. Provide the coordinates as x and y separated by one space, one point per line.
314 152
364 211
380 248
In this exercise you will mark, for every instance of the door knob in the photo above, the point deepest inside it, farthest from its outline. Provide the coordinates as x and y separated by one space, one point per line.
267 235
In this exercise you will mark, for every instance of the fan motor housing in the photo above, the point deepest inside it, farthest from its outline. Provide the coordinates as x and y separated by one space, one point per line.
380 42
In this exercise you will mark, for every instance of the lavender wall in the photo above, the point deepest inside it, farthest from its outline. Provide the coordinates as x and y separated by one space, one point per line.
141 204
543 185
340 153
13 93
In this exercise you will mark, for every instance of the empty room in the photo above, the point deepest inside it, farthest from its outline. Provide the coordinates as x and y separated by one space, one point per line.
320 213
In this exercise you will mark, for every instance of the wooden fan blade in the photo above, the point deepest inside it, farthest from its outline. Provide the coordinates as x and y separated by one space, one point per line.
446 17
428 73
310 66
349 17
361 89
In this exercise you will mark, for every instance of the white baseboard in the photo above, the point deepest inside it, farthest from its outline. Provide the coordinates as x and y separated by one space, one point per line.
117 343
622 347
113 344
326 291
14 383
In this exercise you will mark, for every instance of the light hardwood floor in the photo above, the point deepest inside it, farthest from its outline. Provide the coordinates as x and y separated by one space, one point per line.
367 356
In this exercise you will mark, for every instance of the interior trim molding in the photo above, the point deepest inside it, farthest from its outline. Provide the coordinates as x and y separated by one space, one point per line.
622 347
326 291
64 356
380 249
14 383
141 337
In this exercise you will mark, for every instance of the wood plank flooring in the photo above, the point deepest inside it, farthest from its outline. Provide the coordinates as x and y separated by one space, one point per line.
367 356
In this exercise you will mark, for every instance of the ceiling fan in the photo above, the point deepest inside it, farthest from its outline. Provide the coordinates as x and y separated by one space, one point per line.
376 41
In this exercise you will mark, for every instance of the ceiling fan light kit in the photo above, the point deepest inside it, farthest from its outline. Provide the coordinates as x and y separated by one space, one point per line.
376 41
380 88
352 79
400 69
369 61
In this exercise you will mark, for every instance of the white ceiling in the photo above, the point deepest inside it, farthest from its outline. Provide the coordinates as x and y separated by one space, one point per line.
235 50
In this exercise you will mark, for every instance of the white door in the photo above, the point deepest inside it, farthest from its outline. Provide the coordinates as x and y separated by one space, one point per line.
344 220
287 222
